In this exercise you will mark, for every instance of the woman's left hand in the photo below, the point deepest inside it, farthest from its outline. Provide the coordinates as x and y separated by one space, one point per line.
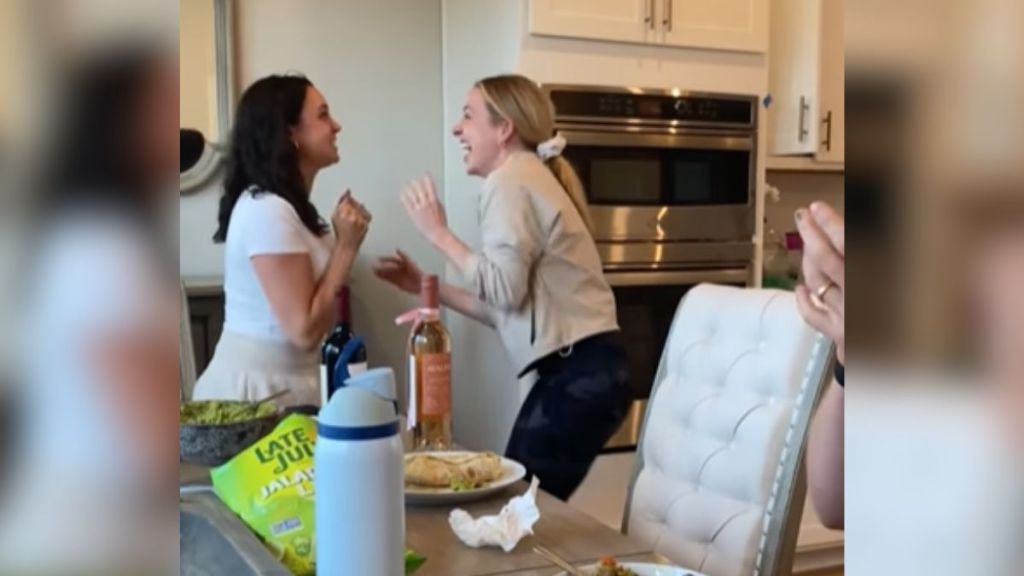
425 209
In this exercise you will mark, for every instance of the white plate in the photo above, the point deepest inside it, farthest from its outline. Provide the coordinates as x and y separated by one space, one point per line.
644 570
512 472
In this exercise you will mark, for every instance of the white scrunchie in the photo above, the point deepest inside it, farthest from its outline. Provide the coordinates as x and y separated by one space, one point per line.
551 147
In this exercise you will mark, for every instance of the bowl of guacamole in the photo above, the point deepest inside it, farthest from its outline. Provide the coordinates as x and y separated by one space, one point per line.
211 432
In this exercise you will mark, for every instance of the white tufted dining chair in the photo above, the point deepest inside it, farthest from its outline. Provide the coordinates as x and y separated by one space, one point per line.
718 485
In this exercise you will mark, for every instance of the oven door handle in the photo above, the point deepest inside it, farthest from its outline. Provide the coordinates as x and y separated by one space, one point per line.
655 140
677 277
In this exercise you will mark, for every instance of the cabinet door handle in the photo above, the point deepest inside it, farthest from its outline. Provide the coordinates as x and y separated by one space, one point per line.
649 16
667 18
805 107
828 132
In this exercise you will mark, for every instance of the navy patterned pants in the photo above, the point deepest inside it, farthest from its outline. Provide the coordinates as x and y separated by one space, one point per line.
580 400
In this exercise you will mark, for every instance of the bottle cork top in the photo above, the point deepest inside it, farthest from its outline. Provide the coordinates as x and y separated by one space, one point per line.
430 291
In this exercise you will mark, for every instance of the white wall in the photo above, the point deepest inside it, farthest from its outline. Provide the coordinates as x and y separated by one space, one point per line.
378 63
198 68
481 38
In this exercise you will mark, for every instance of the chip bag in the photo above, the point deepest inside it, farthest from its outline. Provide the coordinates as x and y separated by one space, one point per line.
270 487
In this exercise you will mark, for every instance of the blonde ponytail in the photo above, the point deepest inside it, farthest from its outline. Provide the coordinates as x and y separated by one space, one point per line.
520 101
567 177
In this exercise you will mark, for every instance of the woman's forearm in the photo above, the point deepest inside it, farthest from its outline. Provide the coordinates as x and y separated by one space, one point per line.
303 305
322 305
455 251
502 277
465 303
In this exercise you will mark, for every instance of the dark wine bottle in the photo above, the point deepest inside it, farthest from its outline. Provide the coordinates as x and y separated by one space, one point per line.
340 335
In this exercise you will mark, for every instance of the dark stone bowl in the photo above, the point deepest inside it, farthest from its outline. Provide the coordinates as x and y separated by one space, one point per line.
215 444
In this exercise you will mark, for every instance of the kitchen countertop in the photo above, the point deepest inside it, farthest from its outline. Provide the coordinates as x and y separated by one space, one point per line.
203 285
193 475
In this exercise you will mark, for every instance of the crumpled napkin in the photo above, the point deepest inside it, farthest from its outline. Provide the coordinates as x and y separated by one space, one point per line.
515 521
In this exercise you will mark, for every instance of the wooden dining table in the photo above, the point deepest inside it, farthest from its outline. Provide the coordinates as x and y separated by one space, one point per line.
570 533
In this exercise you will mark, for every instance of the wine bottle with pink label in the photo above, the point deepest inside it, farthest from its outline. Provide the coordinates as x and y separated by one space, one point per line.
430 374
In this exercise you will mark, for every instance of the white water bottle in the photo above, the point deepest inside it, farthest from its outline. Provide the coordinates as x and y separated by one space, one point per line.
360 484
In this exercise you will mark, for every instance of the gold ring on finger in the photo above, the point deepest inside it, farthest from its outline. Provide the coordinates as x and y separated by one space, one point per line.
818 297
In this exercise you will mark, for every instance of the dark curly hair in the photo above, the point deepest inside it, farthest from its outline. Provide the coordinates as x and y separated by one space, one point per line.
262 153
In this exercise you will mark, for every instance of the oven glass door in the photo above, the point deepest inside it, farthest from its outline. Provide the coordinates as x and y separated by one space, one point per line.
662 170
645 316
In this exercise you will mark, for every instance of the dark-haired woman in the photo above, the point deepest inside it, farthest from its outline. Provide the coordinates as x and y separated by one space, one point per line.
282 266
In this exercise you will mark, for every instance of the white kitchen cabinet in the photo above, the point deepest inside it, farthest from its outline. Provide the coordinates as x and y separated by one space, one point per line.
618 20
738 25
832 88
806 80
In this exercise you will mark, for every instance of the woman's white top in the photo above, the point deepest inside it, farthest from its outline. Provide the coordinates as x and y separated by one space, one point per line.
263 223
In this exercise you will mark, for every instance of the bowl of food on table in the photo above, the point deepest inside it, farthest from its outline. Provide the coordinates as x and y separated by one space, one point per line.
211 432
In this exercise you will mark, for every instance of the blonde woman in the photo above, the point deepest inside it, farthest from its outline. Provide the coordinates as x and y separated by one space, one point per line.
537 279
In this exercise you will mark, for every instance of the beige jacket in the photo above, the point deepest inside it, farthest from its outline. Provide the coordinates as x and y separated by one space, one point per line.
539 270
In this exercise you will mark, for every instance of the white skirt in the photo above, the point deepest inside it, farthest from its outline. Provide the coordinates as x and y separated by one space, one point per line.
249 369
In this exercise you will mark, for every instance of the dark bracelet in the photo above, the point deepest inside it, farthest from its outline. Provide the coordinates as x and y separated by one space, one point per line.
840 373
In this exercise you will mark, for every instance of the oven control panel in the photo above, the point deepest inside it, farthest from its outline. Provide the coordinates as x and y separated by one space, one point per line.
670 107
